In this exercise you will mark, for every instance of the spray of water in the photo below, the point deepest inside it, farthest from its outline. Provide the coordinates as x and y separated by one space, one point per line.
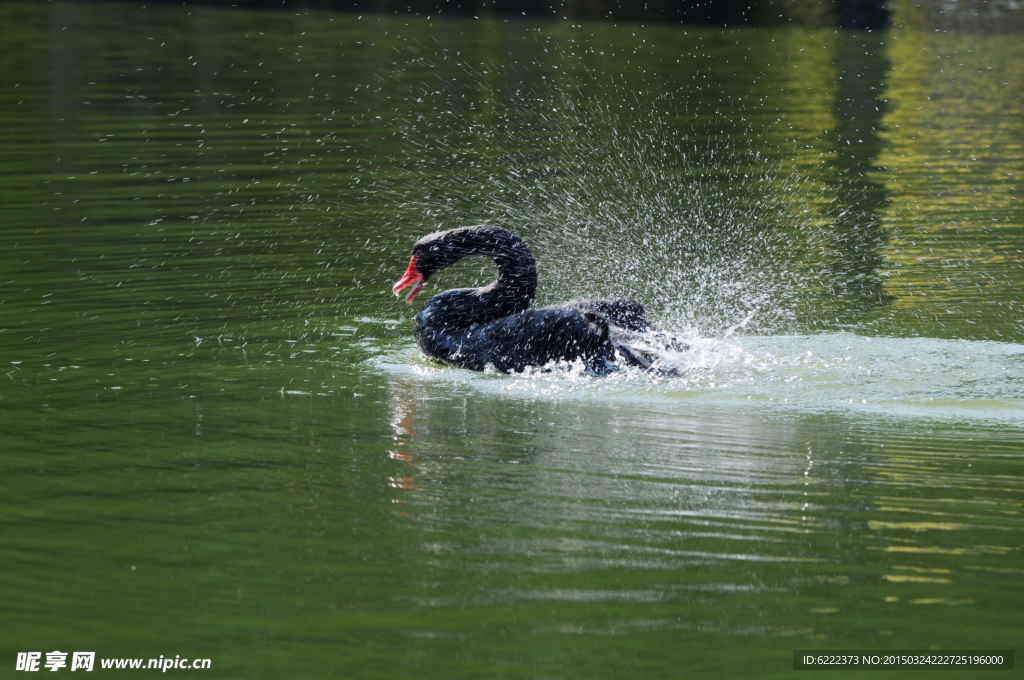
614 202
623 193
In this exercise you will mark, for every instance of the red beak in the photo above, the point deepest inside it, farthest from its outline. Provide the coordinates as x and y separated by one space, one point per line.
411 277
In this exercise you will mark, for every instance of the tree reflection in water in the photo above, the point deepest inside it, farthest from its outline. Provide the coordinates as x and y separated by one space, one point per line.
858 236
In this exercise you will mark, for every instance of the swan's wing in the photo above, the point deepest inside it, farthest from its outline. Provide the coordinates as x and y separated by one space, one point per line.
646 350
623 313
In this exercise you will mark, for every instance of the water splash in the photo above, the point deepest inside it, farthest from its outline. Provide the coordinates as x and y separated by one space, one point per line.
614 203
664 353
951 380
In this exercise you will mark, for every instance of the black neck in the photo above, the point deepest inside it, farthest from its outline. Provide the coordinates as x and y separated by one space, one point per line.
514 289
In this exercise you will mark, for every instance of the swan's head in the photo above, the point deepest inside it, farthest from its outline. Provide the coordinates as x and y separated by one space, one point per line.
442 249
430 255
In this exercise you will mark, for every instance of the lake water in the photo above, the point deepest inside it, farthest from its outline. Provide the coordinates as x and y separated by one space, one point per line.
219 439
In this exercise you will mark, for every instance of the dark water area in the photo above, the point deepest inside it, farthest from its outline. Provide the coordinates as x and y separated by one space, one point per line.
852 14
220 441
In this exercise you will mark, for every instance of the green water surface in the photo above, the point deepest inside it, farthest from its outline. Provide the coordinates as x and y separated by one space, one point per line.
218 440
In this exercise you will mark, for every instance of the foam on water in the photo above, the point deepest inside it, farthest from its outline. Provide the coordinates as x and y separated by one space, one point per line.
837 372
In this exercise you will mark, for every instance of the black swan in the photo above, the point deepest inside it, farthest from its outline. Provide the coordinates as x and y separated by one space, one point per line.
474 327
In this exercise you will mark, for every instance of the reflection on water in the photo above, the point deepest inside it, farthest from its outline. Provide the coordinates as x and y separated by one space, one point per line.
954 219
570 497
859 238
218 438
